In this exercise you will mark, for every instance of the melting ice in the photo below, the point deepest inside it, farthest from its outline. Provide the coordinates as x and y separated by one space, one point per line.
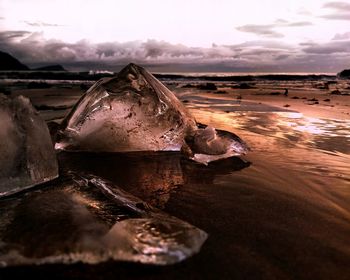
83 218
27 156
130 112
135 112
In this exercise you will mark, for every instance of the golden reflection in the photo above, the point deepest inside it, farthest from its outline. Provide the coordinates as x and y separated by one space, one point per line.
280 128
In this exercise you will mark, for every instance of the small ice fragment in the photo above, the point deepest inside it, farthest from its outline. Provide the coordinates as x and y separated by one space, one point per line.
208 144
27 156
157 241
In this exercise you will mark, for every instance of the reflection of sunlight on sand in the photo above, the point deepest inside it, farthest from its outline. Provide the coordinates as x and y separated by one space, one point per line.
283 129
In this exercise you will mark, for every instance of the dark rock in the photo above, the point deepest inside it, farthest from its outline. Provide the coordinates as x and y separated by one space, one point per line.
188 86
8 62
242 86
5 91
295 97
55 67
37 85
336 92
208 86
275 93
327 100
321 85
44 107
84 87
344 74
312 99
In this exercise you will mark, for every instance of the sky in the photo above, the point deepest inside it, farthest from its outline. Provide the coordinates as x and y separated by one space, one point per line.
180 35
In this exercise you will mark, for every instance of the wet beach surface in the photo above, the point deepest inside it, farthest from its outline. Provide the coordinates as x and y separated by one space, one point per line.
280 212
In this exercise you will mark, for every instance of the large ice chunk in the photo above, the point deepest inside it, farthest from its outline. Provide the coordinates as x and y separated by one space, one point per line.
130 112
27 156
87 219
135 112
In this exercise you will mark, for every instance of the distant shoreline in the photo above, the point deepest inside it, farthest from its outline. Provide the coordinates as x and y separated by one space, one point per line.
215 77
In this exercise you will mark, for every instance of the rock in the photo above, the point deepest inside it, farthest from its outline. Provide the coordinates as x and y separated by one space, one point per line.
35 85
242 86
336 92
8 62
208 86
344 74
55 67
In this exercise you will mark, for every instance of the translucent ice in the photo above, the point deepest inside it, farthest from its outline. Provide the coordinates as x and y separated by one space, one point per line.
130 112
87 219
208 144
27 156
135 112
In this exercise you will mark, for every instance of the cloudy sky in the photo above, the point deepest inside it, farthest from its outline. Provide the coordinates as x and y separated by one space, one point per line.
180 35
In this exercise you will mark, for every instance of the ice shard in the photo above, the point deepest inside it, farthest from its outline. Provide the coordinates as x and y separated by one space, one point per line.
27 156
208 144
135 112
130 112
84 218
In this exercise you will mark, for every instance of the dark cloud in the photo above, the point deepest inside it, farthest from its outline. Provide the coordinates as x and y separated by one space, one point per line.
307 44
344 36
338 5
337 16
41 24
263 30
282 56
7 36
334 47
341 11
299 24
267 30
261 55
32 47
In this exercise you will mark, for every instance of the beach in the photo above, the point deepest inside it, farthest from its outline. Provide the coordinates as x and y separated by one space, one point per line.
280 212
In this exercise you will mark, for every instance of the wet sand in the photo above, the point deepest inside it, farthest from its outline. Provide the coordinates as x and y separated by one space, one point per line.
281 212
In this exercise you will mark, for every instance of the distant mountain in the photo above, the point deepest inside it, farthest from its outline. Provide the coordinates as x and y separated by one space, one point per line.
344 74
55 67
8 62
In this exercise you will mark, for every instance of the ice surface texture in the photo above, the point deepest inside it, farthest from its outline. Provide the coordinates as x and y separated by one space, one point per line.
130 112
208 144
135 112
87 219
27 156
